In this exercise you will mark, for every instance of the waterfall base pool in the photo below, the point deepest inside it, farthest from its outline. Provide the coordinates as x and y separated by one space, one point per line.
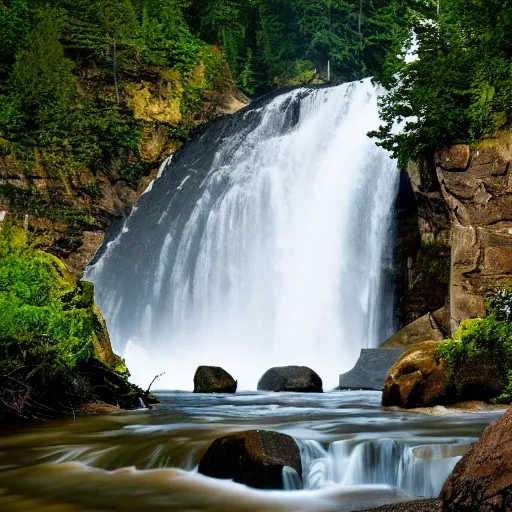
355 455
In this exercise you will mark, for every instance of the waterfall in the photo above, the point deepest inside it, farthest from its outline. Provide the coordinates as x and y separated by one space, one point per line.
266 241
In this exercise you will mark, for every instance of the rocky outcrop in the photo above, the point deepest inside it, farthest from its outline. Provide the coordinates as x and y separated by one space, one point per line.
430 327
454 247
371 369
421 378
213 379
68 216
255 458
291 378
482 480
477 187
418 379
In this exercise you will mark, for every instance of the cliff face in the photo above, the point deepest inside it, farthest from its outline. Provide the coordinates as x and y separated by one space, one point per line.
68 213
476 184
464 212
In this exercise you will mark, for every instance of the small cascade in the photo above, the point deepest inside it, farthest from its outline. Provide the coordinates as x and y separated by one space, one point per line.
412 468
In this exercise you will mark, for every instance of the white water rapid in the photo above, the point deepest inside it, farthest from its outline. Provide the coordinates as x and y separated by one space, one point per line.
266 241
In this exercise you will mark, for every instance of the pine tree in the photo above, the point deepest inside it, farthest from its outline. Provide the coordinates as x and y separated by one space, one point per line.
42 81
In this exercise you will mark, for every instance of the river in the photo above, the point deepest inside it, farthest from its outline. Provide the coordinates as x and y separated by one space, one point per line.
355 454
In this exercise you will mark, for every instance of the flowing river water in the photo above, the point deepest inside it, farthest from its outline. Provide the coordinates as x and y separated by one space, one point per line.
355 455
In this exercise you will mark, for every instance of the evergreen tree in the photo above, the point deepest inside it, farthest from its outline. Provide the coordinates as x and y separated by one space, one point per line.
15 25
42 81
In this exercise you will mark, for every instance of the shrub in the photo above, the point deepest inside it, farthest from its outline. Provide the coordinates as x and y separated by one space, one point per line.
489 338
49 329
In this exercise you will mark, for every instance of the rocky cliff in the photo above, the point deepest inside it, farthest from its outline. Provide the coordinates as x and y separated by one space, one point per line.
476 184
454 246
68 212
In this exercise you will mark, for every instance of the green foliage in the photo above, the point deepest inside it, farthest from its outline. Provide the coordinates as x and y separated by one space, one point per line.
14 20
49 327
42 82
499 305
485 339
33 305
460 88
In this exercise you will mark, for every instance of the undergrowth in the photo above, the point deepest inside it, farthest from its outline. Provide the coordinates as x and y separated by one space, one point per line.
488 338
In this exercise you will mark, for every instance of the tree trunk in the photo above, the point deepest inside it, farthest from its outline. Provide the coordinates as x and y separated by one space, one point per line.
360 18
114 64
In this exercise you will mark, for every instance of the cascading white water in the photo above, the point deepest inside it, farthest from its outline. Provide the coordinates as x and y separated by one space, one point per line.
408 465
280 259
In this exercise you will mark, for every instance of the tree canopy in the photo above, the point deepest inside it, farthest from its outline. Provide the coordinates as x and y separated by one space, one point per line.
460 87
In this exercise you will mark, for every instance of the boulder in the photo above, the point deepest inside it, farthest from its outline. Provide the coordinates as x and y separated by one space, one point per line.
418 379
371 369
300 379
421 379
255 458
482 480
430 327
213 379
455 157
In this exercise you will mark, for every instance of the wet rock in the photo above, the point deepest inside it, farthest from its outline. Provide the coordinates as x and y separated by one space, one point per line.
480 203
432 505
371 369
255 458
421 379
213 379
300 379
418 379
482 480
107 386
430 327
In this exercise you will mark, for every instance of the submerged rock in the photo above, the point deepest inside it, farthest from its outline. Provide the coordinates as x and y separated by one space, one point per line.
482 480
300 379
213 379
255 458
418 379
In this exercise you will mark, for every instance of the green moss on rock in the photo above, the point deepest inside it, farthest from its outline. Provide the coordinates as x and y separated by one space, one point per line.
55 351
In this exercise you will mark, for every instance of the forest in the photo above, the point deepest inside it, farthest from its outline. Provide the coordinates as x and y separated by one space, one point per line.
68 69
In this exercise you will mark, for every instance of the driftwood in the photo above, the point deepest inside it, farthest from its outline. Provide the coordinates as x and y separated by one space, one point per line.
156 377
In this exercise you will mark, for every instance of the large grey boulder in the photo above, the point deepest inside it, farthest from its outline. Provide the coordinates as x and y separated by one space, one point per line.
299 379
213 379
255 458
371 369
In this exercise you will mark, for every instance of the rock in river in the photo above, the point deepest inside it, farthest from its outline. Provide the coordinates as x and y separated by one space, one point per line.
418 379
213 379
255 458
482 480
291 378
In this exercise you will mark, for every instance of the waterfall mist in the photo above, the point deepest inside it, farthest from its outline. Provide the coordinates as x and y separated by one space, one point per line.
266 241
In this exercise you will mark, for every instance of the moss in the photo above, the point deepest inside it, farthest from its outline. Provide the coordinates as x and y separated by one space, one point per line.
50 329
